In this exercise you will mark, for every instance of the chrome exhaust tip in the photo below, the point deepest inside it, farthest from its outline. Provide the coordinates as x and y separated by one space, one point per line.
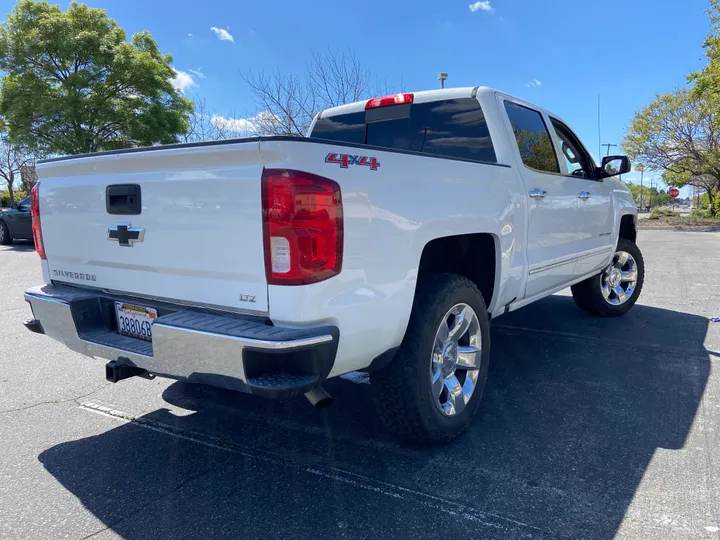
319 398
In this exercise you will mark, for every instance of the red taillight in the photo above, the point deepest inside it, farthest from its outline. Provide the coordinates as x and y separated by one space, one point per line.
35 213
302 227
386 101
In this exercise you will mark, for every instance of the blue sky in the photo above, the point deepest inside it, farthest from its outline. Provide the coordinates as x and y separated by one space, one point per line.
624 50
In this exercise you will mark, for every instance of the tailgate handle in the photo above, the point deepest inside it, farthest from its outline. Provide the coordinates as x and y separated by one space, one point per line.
123 199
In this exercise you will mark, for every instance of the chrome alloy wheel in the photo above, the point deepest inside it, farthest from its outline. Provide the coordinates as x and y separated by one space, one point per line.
456 358
619 279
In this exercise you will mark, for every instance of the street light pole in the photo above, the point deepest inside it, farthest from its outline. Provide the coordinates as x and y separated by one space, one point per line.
652 185
442 77
642 171
608 147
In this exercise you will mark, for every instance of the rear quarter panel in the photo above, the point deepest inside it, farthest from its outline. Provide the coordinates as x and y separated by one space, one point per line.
389 216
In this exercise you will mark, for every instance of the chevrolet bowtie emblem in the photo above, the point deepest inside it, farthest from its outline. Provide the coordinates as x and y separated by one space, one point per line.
125 234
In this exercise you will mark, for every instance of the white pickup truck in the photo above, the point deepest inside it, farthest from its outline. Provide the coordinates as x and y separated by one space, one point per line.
384 242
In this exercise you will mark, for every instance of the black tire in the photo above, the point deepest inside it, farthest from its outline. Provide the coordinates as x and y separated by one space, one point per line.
5 237
588 294
411 411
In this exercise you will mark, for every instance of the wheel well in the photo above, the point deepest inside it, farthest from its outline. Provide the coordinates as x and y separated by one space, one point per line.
469 255
627 228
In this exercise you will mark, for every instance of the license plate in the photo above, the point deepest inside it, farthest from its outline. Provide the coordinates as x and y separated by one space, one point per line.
135 321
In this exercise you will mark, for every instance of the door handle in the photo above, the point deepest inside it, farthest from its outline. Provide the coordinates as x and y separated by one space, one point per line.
584 195
537 193
123 199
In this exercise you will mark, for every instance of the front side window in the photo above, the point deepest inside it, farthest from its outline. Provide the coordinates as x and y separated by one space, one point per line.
578 161
533 138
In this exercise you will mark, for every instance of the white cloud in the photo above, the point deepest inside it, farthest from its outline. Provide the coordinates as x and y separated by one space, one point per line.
238 125
481 6
189 35
182 81
256 124
222 34
534 83
198 73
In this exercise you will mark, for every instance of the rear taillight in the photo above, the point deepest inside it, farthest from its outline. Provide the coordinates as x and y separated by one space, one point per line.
302 227
35 213
386 101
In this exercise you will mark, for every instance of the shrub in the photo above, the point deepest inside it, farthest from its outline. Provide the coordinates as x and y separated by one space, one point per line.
5 198
703 213
662 212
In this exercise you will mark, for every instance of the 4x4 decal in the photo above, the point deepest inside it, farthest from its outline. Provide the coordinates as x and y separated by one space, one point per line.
345 160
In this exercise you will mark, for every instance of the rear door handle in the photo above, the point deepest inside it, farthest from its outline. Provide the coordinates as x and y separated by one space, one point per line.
584 195
537 193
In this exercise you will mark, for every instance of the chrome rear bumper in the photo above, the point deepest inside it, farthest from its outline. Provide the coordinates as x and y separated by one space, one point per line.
221 349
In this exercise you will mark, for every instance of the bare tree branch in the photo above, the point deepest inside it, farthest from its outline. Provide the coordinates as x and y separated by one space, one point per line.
330 79
204 126
13 161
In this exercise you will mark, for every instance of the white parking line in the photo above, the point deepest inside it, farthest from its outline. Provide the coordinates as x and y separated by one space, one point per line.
387 489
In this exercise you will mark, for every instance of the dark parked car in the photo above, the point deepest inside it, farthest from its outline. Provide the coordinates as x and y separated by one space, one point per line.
16 222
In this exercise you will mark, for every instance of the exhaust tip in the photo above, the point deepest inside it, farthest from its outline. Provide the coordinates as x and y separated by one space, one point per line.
319 398
34 326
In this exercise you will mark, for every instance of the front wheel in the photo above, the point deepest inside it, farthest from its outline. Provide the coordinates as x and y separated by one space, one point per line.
5 237
614 291
431 389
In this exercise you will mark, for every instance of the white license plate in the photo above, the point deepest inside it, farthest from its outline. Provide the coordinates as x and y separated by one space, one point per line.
135 321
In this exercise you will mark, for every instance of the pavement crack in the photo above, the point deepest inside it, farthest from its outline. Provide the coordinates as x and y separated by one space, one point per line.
53 401
177 487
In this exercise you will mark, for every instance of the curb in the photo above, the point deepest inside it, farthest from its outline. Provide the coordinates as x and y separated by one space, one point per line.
681 228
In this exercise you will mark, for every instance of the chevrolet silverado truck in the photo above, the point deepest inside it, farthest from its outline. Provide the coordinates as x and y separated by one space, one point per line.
385 241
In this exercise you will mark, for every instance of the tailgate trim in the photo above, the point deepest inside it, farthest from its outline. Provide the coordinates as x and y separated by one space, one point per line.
122 295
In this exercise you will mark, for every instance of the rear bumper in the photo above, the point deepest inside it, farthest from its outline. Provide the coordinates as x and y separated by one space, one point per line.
225 350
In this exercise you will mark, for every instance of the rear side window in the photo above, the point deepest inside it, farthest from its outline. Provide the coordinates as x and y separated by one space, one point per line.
533 138
348 128
453 128
457 128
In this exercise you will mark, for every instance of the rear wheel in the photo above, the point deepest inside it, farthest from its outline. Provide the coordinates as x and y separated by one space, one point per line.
614 291
5 237
432 388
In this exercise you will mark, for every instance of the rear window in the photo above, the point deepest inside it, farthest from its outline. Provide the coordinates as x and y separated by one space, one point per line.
453 128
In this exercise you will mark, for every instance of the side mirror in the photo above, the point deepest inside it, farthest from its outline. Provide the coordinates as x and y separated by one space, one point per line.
615 165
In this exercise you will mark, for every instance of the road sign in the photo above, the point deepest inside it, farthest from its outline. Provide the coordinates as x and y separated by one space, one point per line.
674 193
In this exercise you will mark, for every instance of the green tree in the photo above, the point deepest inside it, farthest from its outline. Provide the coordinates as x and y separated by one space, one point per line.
679 133
635 190
707 81
536 150
74 84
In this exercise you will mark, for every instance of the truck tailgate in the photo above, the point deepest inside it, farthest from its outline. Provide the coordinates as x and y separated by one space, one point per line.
197 237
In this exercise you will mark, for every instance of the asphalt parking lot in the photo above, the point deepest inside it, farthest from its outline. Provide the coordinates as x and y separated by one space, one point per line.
590 428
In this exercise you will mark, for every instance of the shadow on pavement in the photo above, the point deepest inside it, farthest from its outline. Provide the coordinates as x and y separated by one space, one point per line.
574 410
19 245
